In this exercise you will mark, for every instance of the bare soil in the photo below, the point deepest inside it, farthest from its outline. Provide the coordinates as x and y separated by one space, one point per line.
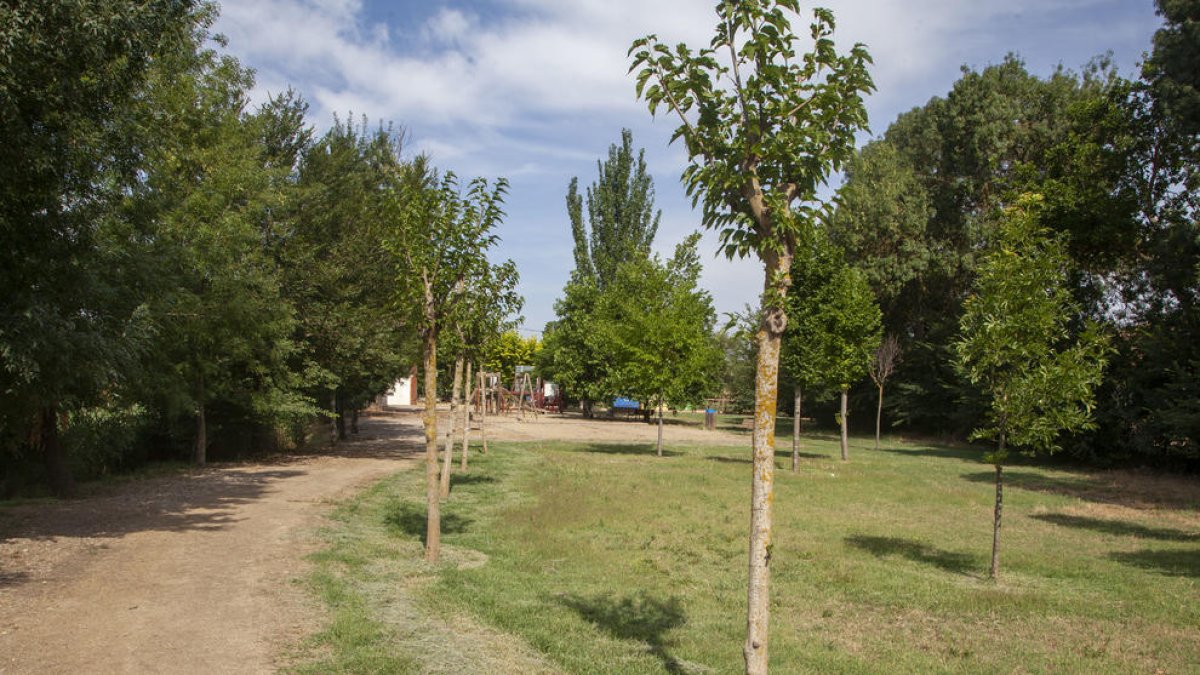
196 572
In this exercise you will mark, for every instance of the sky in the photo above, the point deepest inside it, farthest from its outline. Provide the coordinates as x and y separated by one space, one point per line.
536 90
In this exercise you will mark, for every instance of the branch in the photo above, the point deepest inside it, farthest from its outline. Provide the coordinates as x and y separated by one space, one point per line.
679 111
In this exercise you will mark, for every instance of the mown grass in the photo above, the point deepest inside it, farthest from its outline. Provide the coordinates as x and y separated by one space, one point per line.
605 558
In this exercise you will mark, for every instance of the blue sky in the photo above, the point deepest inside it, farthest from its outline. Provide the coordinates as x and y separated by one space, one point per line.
536 90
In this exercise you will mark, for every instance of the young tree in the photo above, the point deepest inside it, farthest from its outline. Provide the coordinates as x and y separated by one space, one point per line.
763 127
834 324
660 326
883 364
441 236
1016 344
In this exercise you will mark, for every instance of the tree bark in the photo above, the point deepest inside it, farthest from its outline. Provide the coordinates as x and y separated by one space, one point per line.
483 406
200 452
433 521
995 571
339 410
448 455
585 407
54 458
796 412
878 416
845 433
660 425
762 482
466 416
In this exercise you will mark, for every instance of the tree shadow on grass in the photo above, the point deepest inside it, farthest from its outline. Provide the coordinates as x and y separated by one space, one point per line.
1117 527
917 551
457 479
624 449
1122 488
639 617
1176 562
412 519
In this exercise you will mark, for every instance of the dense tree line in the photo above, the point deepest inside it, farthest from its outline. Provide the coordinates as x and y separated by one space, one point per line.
184 273
1114 162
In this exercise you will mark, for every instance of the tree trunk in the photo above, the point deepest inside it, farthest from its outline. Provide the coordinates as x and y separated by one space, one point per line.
660 425
845 434
995 571
200 452
54 458
466 416
433 522
448 455
796 412
762 481
878 416
585 406
333 430
483 404
339 410
354 421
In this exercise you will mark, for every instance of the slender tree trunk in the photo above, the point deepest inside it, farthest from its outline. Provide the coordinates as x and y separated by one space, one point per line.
354 421
660 424
796 412
585 406
845 434
54 458
483 405
433 523
466 416
200 454
333 423
995 571
339 406
448 455
878 416
762 482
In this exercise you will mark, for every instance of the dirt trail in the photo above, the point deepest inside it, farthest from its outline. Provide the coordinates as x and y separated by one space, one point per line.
179 574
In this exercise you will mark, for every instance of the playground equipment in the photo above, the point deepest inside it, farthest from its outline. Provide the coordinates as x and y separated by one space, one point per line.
526 398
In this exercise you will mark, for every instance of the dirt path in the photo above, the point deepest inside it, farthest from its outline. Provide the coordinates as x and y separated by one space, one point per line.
179 574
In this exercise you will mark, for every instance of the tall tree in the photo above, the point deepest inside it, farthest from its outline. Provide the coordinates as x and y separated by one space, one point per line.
762 131
70 73
1017 345
621 219
619 226
440 234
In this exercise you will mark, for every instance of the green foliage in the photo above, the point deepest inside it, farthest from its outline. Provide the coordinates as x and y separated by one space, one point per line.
1016 341
763 129
658 324
621 220
504 352
833 319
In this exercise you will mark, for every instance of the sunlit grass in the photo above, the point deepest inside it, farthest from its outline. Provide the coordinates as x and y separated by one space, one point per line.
607 559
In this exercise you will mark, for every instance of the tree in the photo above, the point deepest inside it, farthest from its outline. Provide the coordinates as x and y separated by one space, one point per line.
833 327
440 236
762 134
620 226
1016 345
883 364
660 324
621 219
71 321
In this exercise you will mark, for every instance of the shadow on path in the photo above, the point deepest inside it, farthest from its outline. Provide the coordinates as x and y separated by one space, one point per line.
639 617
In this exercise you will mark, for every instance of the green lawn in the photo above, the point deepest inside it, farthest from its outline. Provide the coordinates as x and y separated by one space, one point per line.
604 558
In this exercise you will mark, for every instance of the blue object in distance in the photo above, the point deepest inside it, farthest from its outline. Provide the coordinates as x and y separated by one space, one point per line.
624 403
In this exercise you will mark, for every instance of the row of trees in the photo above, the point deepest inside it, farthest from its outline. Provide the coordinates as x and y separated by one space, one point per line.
185 273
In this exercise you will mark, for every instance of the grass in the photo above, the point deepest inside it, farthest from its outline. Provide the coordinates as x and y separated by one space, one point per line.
604 558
